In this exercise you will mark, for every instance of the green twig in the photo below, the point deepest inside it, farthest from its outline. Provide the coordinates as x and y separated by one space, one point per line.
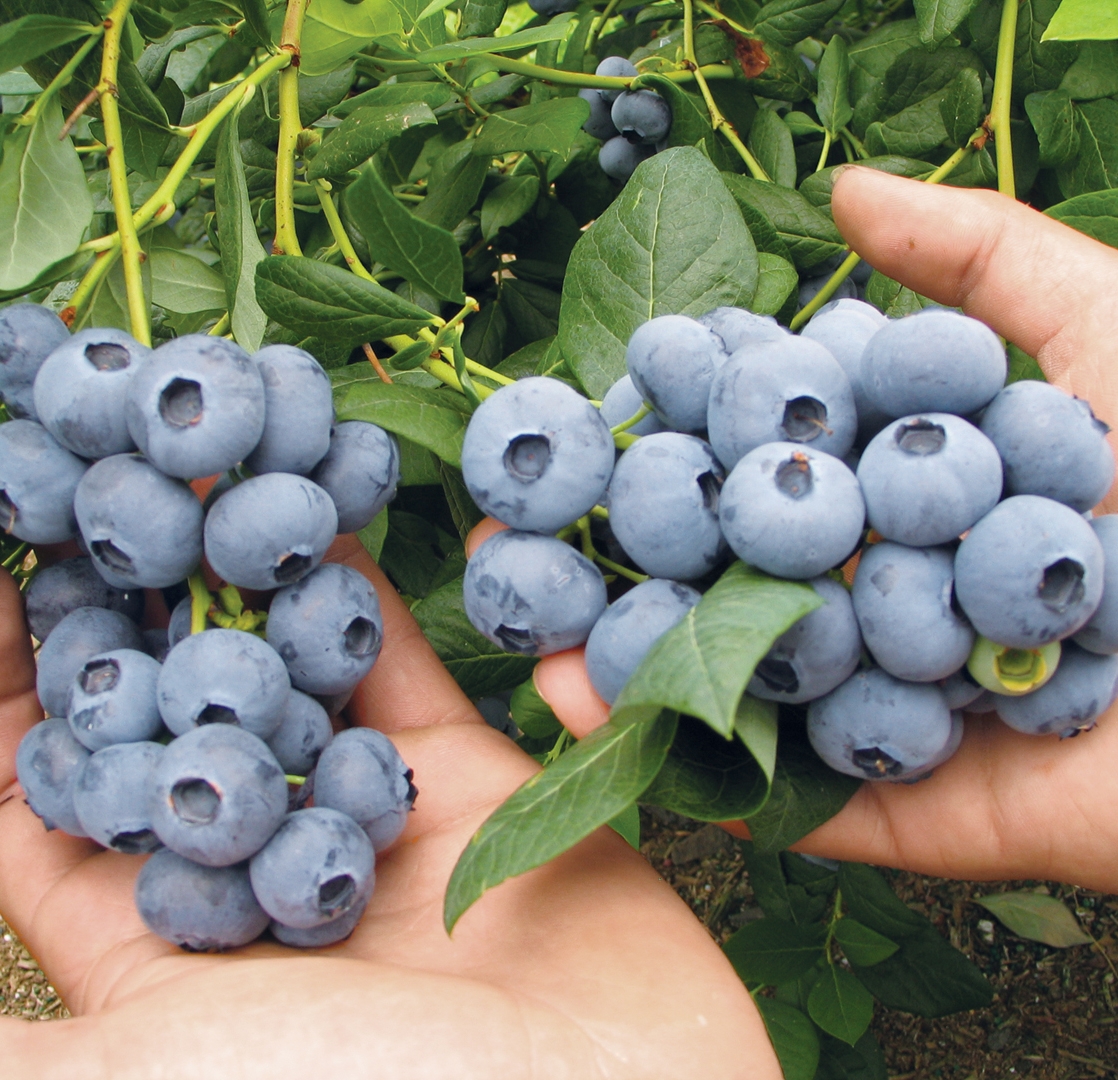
574 78
825 293
624 571
286 241
633 420
221 327
337 230
200 602
999 106
826 151
62 78
599 26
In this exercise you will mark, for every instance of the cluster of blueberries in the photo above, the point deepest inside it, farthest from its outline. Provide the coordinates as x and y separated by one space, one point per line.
205 748
981 583
632 124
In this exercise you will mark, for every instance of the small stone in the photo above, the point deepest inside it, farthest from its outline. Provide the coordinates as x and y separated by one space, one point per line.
709 840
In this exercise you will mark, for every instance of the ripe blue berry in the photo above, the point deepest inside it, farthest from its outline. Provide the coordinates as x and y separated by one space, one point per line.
1100 632
113 699
112 796
28 335
614 67
738 328
302 735
599 123
38 479
48 761
57 590
359 472
619 158
623 400
642 116
319 937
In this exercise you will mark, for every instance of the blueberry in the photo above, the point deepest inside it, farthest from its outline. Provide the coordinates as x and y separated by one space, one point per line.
927 479
113 699
361 774
905 602
537 455
317 866
1051 444
496 713
629 627
81 389
954 741
197 406
790 390
876 727
302 735
811 286
319 937
48 762
270 531
672 360
38 479
218 795
1084 686
618 158
532 595
200 908
815 654
960 690
791 511
933 361
57 590
112 796
1030 572
663 502
156 644
28 335
298 411
223 677
844 328
599 123
359 472
614 67
327 628
737 327
642 116
552 7
142 528
181 621
623 400
84 633
1100 632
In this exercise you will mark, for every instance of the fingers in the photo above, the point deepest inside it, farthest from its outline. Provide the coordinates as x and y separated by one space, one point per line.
408 686
561 680
1040 284
19 705
481 532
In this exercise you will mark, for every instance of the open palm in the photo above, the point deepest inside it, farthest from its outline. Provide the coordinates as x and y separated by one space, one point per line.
589 967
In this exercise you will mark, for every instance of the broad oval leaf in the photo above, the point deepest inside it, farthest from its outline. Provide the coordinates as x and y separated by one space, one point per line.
433 95
793 1038
362 133
317 300
547 127
45 205
770 141
183 284
833 101
32 35
770 951
1080 20
789 21
459 50
507 203
1053 118
861 944
840 1005
335 30
1095 168
673 242
938 19
1095 214
583 789
701 666
1036 917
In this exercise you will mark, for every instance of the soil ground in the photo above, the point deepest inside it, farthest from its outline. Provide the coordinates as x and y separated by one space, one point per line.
1055 1015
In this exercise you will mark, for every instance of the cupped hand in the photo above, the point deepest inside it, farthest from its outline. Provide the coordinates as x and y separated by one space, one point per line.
588 967
1007 805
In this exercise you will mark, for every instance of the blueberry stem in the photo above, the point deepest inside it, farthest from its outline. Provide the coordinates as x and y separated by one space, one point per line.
624 439
999 105
200 601
286 241
826 151
825 293
599 26
599 512
588 549
221 327
298 781
636 418
15 557
60 80
854 141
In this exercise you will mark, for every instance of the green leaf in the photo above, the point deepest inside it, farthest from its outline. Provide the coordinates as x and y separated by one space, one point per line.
372 536
433 95
833 100
817 187
863 1061
961 108
317 300
1095 214
938 19
459 50
241 250
463 509
786 78
690 119
840 1005
770 142
673 242
627 825
777 282
1078 20
256 16
507 203
1039 64
1022 365
481 17
477 665
873 56
771 951
425 254
861 944
1095 73
1096 166
1053 118
183 284
335 30
453 185
45 205
702 665
789 21
362 133
586 787
894 299
143 120
32 35
780 898
531 713
435 419
871 901
549 127
805 794
1036 917
793 1038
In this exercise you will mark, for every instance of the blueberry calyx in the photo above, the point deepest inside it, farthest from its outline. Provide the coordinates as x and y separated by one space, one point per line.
99 675
527 457
805 418
920 437
876 763
195 802
336 894
793 476
180 403
1061 585
106 356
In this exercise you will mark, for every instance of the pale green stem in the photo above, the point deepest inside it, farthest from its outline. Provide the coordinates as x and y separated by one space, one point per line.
200 601
999 106
286 242
825 293
826 151
337 230
62 78
633 420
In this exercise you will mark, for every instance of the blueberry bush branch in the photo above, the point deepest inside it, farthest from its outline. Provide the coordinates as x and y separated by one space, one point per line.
999 107
287 242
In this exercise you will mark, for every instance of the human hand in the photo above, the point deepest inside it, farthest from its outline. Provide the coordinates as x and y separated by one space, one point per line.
1006 805
589 967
